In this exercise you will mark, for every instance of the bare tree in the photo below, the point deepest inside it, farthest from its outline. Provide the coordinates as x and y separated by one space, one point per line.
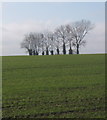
47 42
57 43
38 42
42 43
79 30
28 43
52 42
69 38
61 33
33 39
31 42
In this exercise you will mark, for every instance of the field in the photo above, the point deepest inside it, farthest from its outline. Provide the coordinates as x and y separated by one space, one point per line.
59 86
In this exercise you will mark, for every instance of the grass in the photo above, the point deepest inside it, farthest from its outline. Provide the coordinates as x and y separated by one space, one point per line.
60 86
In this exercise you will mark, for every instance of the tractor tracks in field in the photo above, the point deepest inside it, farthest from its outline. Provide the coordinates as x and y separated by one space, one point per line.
51 67
57 114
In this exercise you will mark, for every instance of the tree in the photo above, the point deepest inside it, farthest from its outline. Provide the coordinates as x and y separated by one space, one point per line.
27 43
47 42
69 38
31 43
52 42
57 42
42 43
79 30
61 33
33 39
37 42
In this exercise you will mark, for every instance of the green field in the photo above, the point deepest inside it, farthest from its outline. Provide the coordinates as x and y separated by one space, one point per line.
59 86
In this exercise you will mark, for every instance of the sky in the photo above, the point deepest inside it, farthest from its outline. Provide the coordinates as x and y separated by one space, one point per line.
20 18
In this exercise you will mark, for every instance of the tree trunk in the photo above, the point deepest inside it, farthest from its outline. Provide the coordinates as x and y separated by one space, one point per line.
77 48
51 52
70 51
30 51
64 49
43 53
36 52
47 52
57 51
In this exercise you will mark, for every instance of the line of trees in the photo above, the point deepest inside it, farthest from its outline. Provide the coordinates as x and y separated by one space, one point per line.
65 39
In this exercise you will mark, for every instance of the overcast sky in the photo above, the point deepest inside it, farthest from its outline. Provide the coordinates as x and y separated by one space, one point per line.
23 17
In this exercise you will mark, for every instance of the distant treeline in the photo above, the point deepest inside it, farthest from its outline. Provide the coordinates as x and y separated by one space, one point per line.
65 39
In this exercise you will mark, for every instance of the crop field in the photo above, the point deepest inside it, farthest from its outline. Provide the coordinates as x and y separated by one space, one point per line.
59 86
